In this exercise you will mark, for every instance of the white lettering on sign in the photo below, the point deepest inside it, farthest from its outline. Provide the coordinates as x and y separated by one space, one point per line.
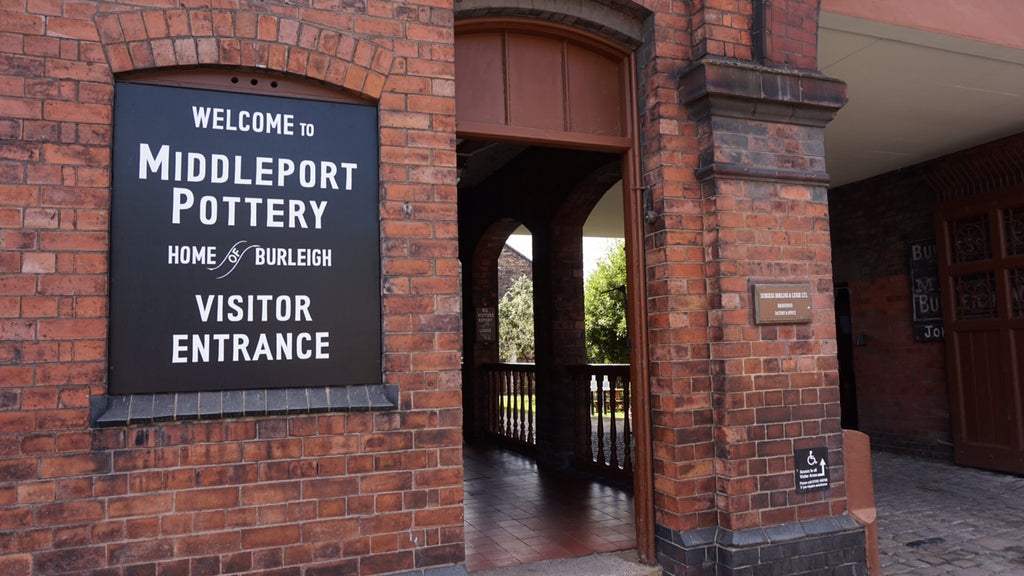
243 121
782 295
922 252
315 257
253 308
178 166
206 255
204 348
269 212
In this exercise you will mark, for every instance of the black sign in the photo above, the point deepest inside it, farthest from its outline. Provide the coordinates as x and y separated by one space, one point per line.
812 466
486 324
924 279
245 243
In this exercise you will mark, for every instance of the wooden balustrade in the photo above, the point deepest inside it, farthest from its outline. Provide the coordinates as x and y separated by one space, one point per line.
604 432
601 404
511 406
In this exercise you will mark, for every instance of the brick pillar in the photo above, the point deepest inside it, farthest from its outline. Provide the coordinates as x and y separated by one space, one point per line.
567 336
774 387
481 295
558 315
770 32
549 447
288 491
567 319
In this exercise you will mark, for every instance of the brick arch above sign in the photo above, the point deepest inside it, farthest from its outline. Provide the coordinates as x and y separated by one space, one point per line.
618 20
543 83
189 38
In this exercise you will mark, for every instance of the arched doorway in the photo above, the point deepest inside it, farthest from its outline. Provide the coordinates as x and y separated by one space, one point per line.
546 122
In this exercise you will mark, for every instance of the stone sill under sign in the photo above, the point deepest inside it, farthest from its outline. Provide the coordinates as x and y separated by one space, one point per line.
133 409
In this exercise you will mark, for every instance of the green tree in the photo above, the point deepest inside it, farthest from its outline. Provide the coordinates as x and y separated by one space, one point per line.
604 301
515 323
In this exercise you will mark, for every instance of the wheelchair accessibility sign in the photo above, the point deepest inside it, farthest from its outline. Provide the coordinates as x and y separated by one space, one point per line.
812 466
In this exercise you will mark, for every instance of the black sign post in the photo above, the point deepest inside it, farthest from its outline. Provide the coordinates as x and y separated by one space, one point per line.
812 469
245 243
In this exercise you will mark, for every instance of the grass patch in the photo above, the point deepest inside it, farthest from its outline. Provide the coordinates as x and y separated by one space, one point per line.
528 404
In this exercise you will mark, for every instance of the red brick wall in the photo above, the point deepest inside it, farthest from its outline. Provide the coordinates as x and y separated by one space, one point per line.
372 493
774 387
739 398
773 32
768 390
786 33
723 28
682 445
902 398
353 493
511 266
902 385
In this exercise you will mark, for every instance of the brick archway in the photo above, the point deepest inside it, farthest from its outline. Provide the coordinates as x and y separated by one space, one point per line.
188 38
532 82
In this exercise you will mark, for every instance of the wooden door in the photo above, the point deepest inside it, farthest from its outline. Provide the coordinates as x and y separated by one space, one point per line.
981 267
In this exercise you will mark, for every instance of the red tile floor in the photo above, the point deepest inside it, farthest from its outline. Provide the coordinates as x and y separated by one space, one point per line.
517 513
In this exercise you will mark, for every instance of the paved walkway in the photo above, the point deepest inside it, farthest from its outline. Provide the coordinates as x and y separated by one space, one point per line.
607 564
938 518
934 518
517 514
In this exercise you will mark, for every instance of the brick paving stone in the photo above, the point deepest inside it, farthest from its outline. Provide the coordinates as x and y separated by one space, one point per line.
936 518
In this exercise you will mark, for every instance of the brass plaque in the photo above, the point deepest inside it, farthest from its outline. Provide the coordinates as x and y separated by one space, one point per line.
782 303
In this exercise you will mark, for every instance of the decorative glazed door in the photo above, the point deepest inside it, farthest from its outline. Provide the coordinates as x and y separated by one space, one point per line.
981 266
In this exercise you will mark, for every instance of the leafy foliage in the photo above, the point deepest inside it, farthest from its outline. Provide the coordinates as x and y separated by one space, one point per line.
515 323
604 296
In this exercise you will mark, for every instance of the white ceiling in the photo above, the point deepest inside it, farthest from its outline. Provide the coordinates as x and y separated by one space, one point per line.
913 96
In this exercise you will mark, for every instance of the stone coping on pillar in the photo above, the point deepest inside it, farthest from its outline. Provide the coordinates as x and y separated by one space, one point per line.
833 546
132 409
760 174
736 99
721 87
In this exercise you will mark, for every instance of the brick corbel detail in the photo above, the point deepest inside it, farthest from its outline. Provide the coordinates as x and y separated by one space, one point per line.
719 88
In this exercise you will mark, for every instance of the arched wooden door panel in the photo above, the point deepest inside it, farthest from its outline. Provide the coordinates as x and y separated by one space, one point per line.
540 83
